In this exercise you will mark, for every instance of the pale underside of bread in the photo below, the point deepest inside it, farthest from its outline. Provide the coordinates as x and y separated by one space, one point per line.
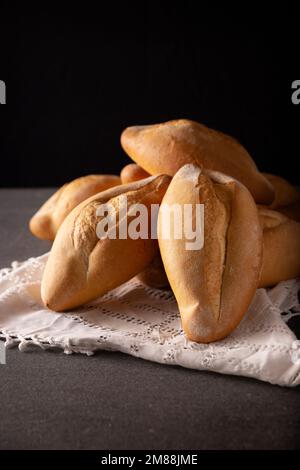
215 285
45 223
166 147
80 266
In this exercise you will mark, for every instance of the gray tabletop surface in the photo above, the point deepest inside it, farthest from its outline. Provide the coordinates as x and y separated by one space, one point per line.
49 400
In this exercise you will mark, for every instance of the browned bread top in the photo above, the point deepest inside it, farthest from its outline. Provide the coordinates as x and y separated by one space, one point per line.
81 266
166 147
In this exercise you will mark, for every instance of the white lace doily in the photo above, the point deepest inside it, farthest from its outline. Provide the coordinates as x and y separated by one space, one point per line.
145 323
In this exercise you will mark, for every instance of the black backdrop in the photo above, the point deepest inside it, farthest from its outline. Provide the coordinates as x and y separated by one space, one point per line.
75 79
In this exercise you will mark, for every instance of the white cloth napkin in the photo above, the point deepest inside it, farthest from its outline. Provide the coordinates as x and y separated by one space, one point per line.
145 323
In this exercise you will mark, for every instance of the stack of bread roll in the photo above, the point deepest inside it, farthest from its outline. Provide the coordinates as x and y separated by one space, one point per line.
251 228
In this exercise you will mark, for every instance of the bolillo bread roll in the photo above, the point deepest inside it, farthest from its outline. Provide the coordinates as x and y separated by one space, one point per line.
81 266
132 172
214 285
46 221
166 147
281 255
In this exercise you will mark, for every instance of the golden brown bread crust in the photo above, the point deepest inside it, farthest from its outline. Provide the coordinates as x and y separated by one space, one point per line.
281 255
166 147
285 192
133 172
46 221
215 285
82 267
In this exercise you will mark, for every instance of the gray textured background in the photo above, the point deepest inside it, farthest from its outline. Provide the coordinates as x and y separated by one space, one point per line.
112 401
